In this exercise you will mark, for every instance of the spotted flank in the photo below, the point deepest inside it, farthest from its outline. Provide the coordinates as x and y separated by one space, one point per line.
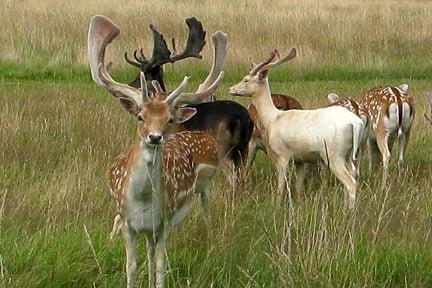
182 155
184 152
378 100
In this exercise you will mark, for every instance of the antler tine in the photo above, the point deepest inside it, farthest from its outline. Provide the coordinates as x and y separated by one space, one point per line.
130 61
101 32
143 58
195 98
251 63
157 87
174 94
219 40
195 42
260 66
290 55
144 90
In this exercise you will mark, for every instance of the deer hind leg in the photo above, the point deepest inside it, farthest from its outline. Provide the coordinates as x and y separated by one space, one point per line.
130 245
373 154
151 260
383 145
403 142
344 175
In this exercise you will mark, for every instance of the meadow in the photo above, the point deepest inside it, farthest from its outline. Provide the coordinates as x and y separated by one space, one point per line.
59 133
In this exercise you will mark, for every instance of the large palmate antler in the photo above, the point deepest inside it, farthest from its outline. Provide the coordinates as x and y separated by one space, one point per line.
162 55
103 31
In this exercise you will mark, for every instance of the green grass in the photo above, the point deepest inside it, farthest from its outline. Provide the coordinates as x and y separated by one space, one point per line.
59 133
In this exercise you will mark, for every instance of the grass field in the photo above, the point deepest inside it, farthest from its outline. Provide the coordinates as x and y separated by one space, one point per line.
59 133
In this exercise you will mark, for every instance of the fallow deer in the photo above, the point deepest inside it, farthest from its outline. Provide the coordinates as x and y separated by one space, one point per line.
281 102
331 134
153 182
227 121
362 113
391 112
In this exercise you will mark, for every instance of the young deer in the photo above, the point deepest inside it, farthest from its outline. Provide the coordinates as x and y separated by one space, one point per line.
359 110
392 113
153 182
332 134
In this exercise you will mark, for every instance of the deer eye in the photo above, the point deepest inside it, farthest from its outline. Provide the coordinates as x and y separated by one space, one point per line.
246 80
171 120
140 118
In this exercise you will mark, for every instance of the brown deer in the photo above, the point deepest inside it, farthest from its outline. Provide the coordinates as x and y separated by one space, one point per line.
154 180
227 121
330 134
359 110
391 112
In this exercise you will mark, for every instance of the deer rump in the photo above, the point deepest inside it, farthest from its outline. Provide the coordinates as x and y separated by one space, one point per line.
229 123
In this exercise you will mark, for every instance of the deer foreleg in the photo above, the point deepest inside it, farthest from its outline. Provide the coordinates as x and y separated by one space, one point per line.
130 245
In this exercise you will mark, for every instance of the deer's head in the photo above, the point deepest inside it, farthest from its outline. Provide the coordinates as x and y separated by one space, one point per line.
258 75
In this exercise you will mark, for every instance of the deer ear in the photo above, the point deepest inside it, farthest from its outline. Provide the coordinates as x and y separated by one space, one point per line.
332 98
129 105
262 74
184 114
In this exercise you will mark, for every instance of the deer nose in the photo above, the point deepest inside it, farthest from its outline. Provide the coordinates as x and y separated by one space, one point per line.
155 138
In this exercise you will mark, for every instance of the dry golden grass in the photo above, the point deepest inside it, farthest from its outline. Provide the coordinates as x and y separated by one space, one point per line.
352 33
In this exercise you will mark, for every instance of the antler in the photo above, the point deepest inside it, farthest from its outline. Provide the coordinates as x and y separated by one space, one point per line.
429 101
268 64
219 40
196 97
162 55
101 32
258 67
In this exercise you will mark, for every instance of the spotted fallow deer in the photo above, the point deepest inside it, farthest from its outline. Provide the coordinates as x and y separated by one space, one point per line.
331 134
154 180
391 112
359 110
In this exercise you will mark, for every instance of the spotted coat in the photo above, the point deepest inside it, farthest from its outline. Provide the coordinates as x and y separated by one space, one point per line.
183 153
378 100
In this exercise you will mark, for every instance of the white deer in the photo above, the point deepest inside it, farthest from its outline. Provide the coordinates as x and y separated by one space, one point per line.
154 180
331 134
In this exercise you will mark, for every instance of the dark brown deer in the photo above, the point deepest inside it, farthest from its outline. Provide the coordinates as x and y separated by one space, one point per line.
227 121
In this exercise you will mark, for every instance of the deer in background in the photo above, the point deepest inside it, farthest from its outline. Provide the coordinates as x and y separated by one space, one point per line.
362 113
154 180
227 121
330 134
391 112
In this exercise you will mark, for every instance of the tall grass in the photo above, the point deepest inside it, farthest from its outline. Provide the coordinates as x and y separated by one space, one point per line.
59 133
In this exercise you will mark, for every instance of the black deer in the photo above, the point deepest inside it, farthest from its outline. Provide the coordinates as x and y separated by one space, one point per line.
227 121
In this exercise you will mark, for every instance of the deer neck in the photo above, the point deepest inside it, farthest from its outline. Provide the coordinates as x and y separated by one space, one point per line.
147 173
263 102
